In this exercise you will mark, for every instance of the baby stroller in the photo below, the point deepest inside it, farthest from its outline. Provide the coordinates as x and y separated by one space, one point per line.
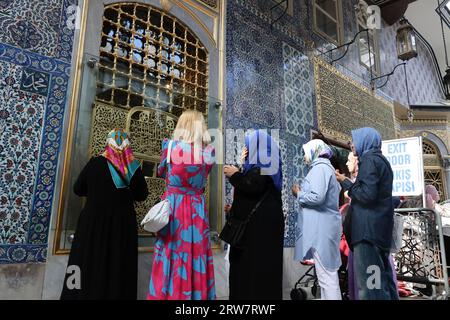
309 279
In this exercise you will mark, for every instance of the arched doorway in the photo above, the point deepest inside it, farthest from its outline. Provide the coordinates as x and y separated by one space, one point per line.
151 69
140 68
433 170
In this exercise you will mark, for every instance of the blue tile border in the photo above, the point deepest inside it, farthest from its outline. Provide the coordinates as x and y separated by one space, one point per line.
22 253
58 71
64 51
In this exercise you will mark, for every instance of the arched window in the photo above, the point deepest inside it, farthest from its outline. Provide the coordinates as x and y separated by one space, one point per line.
151 69
433 168
141 68
151 59
429 148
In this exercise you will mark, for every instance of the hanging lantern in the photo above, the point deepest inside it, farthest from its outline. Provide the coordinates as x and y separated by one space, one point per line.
447 84
406 41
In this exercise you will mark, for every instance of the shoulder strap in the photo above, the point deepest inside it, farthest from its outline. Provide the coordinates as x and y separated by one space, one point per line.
257 205
169 150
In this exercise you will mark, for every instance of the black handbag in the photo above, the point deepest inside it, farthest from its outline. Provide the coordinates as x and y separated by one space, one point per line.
234 229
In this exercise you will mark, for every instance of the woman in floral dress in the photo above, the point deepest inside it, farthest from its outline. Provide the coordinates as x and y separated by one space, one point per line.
183 266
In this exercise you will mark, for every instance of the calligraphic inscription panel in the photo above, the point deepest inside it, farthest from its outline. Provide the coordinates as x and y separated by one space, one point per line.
344 105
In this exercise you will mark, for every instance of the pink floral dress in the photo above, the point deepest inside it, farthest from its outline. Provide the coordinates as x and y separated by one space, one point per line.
183 266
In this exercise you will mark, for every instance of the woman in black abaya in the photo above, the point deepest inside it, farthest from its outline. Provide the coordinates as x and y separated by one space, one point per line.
256 269
105 244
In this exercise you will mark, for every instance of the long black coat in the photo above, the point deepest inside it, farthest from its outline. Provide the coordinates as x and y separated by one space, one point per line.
372 210
256 272
105 243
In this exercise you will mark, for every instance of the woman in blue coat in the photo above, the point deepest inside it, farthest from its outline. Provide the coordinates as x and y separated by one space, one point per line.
319 220
372 217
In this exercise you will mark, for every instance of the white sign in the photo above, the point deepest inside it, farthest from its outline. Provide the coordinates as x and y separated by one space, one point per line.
405 157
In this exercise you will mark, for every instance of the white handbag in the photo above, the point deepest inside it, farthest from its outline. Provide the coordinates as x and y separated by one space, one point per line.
158 216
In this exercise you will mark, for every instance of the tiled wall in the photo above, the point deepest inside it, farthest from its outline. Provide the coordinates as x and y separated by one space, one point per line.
270 79
269 85
35 57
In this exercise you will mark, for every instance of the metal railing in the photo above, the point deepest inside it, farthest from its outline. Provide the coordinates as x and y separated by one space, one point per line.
421 258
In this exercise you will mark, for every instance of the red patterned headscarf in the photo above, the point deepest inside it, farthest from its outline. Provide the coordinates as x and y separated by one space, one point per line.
121 161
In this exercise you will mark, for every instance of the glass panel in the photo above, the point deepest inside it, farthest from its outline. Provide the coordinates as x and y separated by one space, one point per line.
329 6
366 59
95 118
151 68
326 25
80 149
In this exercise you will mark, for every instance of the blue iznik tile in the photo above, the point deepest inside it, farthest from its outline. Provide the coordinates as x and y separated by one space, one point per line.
35 82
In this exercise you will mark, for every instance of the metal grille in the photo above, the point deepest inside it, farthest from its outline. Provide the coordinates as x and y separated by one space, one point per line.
419 259
150 59
151 69
433 168
428 148
434 177
147 129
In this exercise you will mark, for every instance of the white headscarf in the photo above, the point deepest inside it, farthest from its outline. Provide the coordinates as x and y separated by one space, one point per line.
316 148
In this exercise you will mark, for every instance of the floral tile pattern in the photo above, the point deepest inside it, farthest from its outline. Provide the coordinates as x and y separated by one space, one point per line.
42 23
21 114
254 72
34 76
298 92
270 86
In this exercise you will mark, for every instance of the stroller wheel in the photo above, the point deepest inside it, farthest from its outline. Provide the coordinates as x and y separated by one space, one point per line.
298 294
315 291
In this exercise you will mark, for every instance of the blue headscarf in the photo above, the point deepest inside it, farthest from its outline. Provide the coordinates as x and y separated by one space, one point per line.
365 140
263 152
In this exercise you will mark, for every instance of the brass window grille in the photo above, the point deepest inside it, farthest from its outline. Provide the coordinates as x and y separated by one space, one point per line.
149 58
151 69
